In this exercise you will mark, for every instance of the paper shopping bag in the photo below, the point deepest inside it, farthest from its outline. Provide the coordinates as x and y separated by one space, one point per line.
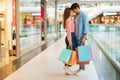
77 59
84 53
80 63
65 55
72 58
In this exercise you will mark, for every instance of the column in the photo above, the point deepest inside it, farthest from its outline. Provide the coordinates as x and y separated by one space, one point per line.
45 19
56 26
17 12
44 16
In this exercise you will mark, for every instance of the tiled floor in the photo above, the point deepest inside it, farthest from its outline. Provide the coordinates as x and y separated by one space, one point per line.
46 66
16 64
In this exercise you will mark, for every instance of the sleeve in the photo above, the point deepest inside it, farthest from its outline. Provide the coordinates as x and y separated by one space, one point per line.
68 29
85 23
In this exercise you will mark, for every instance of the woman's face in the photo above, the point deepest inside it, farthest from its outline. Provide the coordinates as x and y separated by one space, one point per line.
71 13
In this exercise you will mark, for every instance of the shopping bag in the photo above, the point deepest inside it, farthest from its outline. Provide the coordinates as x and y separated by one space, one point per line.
77 59
65 55
72 58
84 53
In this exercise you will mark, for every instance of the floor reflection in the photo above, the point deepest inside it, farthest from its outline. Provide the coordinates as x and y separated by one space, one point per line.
12 66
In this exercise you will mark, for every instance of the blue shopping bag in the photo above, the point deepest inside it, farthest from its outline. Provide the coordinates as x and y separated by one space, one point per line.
84 53
65 55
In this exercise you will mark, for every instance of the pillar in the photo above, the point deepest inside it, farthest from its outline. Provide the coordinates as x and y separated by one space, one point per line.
44 16
56 25
17 18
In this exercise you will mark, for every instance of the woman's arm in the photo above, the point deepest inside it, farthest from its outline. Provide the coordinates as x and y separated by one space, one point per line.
68 29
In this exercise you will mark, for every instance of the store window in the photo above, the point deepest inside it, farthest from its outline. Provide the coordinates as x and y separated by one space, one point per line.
107 18
51 21
30 25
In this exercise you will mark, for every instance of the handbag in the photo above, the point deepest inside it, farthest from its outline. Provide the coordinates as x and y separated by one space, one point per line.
84 53
65 55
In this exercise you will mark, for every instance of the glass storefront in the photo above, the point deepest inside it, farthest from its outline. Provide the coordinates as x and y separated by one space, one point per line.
51 21
30 25
107 18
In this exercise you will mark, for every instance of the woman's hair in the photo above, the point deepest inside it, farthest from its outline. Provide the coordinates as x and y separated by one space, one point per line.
66 16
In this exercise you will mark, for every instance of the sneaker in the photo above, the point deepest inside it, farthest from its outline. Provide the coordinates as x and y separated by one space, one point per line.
67 70
78 72
66 73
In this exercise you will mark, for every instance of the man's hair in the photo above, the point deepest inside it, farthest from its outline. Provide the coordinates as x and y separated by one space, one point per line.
74 6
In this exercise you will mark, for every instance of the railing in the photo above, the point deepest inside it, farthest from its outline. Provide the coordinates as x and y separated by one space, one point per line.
107 36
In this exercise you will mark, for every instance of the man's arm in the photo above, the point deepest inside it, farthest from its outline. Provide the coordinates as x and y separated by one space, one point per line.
86 28
83 39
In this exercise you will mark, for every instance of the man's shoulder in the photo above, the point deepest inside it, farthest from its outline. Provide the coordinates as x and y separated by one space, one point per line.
82 13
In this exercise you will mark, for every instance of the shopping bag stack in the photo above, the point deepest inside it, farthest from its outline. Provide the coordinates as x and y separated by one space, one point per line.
82 55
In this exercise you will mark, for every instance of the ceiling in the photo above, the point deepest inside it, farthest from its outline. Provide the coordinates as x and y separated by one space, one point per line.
73 1
83 1
30 0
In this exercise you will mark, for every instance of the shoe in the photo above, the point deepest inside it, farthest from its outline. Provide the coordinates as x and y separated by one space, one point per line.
66 73
67 70
78 72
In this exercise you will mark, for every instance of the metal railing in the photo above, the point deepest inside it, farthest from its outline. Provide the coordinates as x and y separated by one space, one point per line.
107 36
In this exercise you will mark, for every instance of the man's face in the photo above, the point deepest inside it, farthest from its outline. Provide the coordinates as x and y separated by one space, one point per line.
76 10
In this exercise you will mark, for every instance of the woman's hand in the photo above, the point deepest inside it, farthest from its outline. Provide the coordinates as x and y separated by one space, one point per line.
70 46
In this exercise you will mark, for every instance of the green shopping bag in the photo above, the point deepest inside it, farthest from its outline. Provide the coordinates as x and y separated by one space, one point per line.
84 53
65 55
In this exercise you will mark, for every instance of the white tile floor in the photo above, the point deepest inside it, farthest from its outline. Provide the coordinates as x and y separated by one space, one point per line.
46 66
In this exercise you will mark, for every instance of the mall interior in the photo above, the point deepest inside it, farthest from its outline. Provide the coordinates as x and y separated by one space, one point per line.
32 37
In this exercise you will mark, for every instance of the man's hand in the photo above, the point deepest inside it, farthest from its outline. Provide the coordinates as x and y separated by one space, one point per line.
83 41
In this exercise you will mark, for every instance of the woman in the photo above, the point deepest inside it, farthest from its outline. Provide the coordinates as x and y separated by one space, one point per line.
70 39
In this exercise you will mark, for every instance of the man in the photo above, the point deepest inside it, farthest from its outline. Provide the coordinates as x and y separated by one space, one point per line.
82 25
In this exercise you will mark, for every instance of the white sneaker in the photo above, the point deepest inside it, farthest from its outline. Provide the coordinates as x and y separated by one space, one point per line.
66 73
67 70
78 72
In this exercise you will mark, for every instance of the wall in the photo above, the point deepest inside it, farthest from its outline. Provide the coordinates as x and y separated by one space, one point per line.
6 9
2 5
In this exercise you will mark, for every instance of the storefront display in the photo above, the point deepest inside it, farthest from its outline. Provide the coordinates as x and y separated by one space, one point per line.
30 26
107 18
